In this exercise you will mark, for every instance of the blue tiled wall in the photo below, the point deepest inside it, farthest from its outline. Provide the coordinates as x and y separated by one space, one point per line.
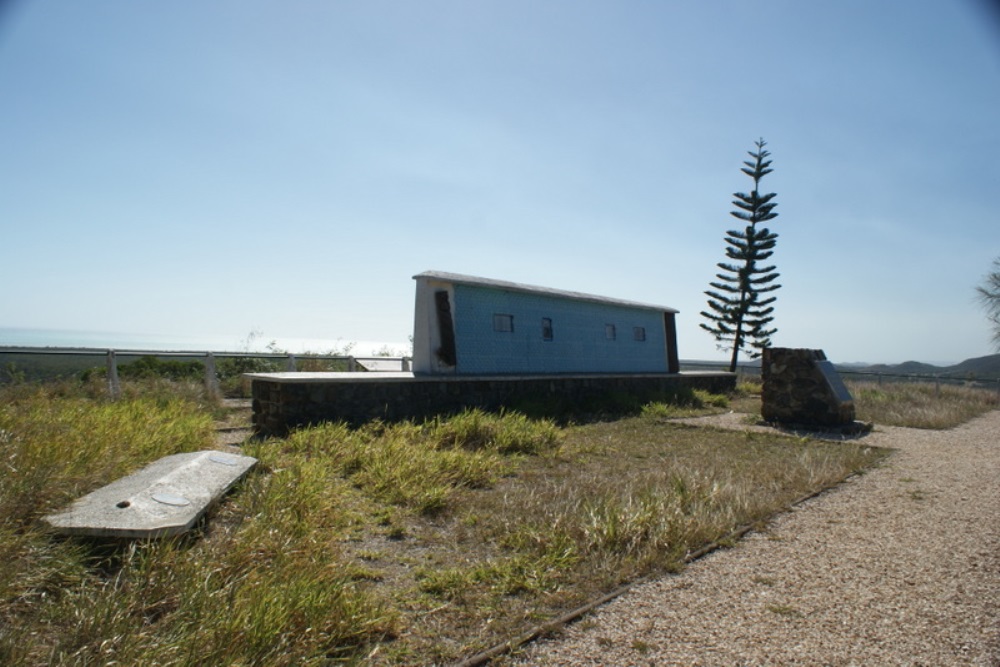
578 345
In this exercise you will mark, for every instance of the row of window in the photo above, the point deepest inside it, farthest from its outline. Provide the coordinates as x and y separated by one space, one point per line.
505 324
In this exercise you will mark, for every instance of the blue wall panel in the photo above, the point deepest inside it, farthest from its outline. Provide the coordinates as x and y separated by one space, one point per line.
579 343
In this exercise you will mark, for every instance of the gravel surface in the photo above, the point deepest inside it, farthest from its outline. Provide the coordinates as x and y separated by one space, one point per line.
900 566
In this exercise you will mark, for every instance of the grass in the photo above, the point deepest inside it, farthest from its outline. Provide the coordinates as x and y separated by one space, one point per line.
697 402
388 544
909 404
264 585
920 404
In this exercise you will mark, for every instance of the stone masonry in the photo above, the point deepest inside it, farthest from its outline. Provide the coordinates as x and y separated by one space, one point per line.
283 402
802 388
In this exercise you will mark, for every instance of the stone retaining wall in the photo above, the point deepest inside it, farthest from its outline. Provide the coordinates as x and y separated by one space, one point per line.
284 401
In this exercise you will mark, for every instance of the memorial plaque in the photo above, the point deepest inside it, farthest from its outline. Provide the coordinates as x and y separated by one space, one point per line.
834 381
165 498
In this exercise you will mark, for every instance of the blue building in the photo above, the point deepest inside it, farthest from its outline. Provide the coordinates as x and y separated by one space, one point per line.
464 325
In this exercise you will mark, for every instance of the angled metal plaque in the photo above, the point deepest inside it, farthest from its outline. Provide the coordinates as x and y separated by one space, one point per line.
834 381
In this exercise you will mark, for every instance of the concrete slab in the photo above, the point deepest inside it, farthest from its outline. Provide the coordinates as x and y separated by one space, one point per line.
165 498
383 365
389 377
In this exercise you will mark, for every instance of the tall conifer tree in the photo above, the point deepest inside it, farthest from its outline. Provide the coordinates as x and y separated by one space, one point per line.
738 314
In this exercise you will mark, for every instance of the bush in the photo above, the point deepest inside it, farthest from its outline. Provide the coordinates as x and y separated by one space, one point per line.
685 403
506 433
420 466
230 372
152 367
749 388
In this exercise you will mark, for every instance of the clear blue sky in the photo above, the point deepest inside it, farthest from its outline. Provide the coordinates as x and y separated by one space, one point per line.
221 167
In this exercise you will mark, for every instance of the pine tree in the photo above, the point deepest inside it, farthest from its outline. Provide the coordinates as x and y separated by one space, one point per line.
738 314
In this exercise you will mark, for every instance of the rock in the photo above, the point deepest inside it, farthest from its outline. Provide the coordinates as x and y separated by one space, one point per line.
802 388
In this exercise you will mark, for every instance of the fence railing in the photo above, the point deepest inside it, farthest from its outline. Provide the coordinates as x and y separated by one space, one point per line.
112 357
753 371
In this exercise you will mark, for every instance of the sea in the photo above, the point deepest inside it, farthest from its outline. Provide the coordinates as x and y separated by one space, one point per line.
110 340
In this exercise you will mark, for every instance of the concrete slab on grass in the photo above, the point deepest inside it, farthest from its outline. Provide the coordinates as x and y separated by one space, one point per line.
165 498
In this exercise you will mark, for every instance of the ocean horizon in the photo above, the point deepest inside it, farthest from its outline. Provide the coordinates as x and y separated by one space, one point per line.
110 340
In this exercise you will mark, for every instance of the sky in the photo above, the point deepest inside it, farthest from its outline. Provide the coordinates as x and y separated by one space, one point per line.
224 168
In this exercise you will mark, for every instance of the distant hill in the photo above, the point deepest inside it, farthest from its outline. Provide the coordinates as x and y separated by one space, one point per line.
979 368
982 366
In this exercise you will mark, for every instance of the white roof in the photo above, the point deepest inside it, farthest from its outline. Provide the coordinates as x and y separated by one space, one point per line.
459 279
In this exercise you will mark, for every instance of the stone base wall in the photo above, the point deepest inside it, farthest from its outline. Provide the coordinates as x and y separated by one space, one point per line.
281 404
801 387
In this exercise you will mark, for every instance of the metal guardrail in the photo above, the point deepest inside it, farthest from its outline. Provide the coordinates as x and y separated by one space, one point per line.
101 351
353 364
111 357
753 371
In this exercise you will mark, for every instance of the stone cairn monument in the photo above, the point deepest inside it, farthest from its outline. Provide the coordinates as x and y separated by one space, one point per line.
802 388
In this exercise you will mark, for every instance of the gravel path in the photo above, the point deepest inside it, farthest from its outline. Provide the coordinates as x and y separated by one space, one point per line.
900 566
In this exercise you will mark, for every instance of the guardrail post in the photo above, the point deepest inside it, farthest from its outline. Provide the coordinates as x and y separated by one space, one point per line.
405 364
114 386
291 367
211 381
352 365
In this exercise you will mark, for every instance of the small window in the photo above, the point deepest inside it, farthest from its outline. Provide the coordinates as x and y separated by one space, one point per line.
609 331
639 333
503 323
546 328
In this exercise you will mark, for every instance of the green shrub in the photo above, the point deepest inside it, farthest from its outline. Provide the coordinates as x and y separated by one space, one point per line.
747 387
152 367
230 372
684 404
504 433
421 466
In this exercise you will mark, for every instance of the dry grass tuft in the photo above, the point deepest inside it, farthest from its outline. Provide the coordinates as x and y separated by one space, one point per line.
921 404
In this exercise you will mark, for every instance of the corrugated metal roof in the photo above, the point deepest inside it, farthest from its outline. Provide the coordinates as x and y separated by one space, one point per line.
459 279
